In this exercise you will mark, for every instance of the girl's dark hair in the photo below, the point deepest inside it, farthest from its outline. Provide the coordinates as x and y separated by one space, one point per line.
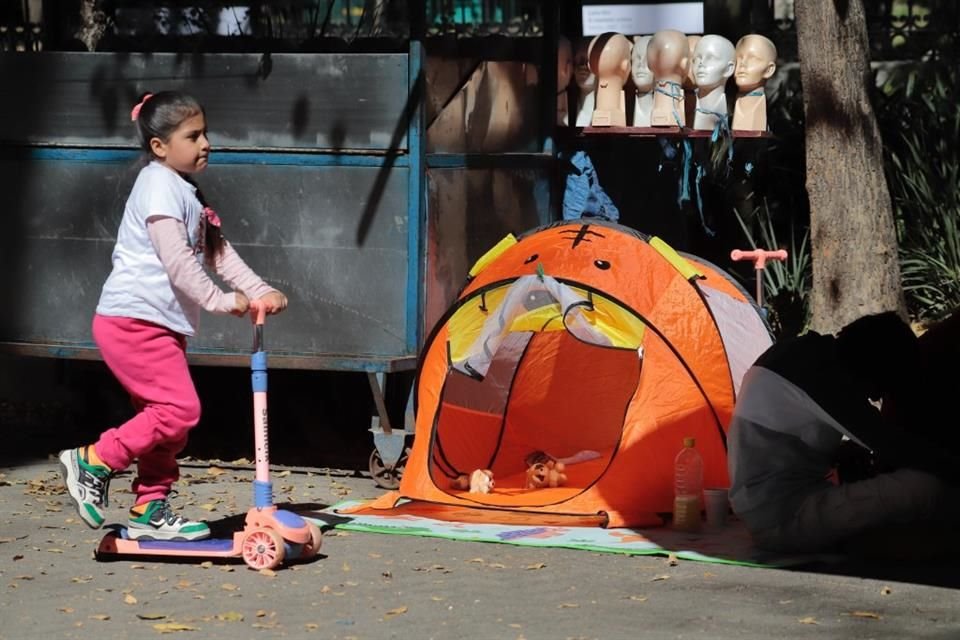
159 117
162 113
212 241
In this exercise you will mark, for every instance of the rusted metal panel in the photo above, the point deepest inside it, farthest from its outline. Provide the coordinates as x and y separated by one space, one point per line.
292 101
482 106
334 239
469 211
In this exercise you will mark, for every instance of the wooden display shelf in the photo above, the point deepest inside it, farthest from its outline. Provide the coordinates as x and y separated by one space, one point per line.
656 132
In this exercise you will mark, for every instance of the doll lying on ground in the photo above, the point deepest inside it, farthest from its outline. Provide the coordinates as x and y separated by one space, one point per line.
480 481
548 474
543 470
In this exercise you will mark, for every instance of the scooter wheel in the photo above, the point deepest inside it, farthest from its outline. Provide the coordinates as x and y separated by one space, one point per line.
383 477
312 548
263 549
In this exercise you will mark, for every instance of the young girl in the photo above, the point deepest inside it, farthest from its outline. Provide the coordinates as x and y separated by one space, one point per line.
150 303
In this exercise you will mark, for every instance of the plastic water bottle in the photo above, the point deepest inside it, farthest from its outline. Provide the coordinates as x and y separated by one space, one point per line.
687 487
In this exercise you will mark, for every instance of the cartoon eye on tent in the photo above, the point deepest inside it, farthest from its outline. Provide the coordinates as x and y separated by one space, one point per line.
594 344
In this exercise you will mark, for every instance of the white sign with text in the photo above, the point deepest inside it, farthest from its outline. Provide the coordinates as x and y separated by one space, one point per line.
641 19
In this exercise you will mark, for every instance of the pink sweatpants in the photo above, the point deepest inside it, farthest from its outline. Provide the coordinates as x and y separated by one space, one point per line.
150 362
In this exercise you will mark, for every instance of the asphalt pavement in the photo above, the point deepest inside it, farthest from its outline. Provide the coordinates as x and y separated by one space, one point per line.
366 585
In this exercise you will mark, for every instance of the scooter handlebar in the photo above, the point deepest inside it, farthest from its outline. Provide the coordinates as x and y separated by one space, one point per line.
258 312
758 256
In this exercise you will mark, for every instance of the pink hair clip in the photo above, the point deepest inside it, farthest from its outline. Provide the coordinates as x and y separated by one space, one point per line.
211 217
135 112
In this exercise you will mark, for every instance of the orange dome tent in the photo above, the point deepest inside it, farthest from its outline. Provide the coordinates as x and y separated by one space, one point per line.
594 344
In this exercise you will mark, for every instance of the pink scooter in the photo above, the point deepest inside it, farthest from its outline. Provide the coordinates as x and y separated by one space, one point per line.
270 535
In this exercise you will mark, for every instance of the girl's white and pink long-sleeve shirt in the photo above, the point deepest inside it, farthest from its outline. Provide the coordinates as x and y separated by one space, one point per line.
157 274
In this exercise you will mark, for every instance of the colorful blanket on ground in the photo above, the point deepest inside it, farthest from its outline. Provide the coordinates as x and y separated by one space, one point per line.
729 545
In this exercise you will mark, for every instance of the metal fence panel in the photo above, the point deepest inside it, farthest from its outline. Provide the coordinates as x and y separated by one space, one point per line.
333 239
299 101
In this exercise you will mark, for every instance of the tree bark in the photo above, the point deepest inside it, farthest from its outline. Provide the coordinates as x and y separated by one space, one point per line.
856 270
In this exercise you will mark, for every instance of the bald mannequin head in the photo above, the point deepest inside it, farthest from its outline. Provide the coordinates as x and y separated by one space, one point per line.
639 71
582 74
564 63
692 41
713 62
756 62
609 55
668 55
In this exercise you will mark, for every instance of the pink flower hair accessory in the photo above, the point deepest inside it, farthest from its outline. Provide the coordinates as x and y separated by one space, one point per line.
135 112
211 217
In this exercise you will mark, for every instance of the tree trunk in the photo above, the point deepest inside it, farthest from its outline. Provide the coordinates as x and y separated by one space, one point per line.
856 270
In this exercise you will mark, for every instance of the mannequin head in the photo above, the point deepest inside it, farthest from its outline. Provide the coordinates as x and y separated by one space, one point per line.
609 55
690 82
582 75
639 71
564 63
668 55
713 62
756 61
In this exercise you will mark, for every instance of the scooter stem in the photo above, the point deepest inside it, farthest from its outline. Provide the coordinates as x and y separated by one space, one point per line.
262 487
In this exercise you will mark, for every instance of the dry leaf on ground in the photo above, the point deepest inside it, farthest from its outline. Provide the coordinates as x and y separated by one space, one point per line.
173 627
230 616
865 614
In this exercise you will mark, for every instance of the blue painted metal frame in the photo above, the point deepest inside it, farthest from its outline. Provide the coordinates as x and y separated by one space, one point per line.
414 160
109 156
415 197
417 160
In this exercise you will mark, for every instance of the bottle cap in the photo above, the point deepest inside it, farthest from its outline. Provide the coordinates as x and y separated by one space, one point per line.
689 442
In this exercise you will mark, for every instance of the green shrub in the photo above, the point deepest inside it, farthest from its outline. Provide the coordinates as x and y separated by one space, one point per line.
786 285
919 119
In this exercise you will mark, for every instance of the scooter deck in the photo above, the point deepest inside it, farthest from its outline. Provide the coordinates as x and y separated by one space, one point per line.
116 544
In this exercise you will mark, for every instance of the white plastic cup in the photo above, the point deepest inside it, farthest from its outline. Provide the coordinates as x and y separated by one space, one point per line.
717 506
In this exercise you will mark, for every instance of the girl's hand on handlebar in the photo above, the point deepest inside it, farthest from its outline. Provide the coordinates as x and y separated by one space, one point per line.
275 302
242 305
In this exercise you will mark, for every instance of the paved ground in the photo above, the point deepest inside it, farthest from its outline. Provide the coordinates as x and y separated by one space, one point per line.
375 586
365 585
